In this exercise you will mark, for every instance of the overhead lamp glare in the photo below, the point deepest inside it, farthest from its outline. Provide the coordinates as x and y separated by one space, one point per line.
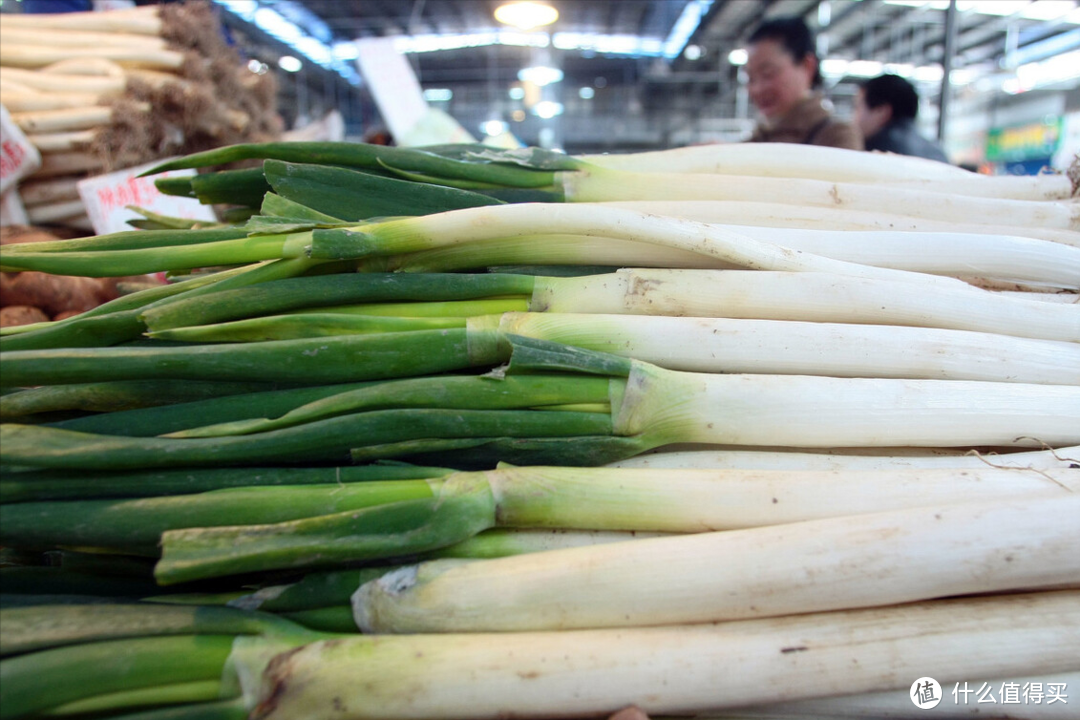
526 15
540 75
289 63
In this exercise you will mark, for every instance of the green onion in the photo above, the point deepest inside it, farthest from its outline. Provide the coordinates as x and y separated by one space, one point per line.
275 296
116 395
650 407
674 670
92 669
30 629
66 485
816 565
136 526
864 459
305 361
686 501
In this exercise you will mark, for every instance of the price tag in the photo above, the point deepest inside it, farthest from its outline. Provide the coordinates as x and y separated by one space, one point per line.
18 157
107 196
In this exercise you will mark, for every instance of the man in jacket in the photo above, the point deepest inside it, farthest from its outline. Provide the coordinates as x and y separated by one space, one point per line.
885 110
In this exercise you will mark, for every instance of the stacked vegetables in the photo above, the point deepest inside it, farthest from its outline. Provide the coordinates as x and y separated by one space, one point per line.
101 91
303 433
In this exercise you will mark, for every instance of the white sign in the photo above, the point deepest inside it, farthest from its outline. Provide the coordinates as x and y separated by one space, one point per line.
107 196
18 157
392 83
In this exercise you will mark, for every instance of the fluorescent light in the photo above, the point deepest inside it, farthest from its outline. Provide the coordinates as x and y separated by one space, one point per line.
1038 10
684 27
864 68
438 94
288 63
738 56
1059 68
586 93
345 50
634 45
540 75
493 127
306 43
435 42
526 15
547 109
834 67
928 73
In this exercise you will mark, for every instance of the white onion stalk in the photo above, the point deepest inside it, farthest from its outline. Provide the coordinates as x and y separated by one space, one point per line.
61 141
54 212
68 119
897 704
598 184
839 563
55 165
858 459
18 35
1068 298
1051 186
141 21
776 214
43 192
50 82
96 67
721 345
32 101
815 412
35 56
679 670
782 160
695 501
813 297
503 542
474 225
836 165
1003 258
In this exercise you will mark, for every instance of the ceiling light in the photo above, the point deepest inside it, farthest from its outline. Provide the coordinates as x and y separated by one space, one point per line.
692 52
547 109
518 115
586 93
493 127
288 63
438 94
738 56
517 93
526 15
540 75
685 26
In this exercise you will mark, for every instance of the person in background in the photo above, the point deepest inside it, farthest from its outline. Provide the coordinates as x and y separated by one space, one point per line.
885 110
784 82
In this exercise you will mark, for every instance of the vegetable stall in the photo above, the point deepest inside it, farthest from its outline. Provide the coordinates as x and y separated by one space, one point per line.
456 432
